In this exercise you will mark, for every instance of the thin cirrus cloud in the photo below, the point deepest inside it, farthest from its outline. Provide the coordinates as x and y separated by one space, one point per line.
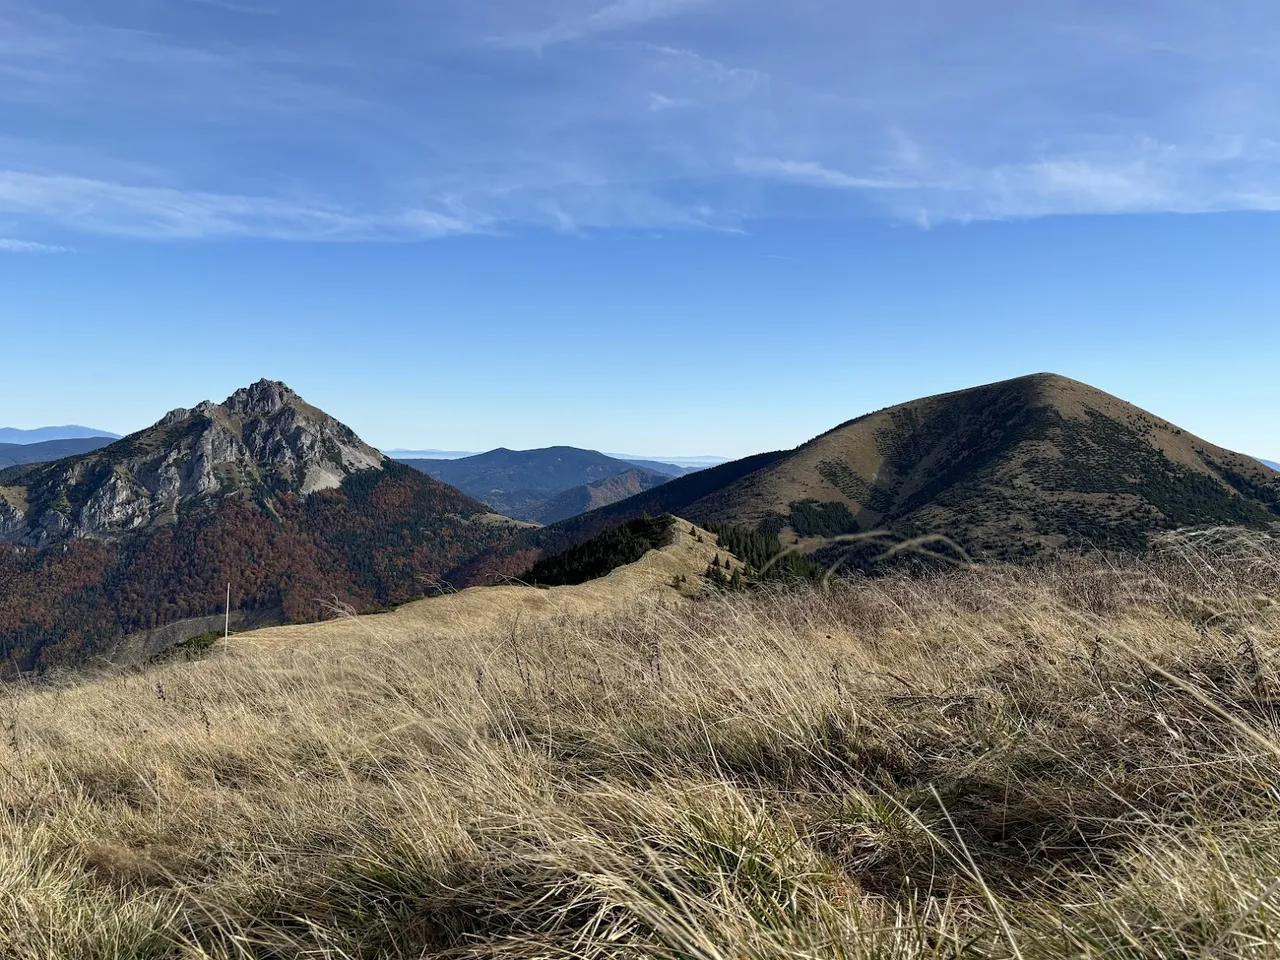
102 207
614 17
9 245
815 174
230 5
1126 178
195 121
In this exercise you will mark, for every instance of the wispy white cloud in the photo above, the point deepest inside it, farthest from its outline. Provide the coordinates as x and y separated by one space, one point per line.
77 65
705 79
157 213
612 18
8 245
1126 178
233 7
322 123
660 101
809 173
163 213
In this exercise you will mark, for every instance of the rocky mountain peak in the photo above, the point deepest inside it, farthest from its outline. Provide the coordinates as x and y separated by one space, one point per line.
182 414
264 441
261 399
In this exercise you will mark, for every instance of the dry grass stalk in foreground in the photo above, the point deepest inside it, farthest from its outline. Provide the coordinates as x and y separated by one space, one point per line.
1051 763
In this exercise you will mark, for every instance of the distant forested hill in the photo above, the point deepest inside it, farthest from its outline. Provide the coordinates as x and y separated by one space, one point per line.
519 483
45 434
593 496
14 454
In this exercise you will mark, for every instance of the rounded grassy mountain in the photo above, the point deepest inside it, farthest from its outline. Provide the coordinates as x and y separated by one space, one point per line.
1007 470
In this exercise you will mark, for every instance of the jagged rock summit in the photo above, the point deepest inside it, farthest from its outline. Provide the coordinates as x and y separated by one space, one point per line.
261 441
121 551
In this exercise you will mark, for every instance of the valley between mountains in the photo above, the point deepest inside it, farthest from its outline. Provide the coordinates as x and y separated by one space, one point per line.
116 546
550 484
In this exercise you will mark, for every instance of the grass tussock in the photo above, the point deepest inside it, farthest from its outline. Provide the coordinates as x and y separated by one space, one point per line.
1063 762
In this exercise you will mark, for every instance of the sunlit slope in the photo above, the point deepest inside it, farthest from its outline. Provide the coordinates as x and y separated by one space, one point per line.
1006 470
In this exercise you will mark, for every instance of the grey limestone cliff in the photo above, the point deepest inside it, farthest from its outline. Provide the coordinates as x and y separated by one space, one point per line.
261 441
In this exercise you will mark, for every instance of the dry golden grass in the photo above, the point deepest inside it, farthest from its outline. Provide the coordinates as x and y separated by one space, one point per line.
1062 762
670 575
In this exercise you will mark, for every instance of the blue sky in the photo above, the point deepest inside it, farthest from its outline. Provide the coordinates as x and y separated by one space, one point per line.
663 226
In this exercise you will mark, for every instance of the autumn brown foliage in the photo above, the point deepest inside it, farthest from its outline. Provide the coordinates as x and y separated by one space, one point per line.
380 539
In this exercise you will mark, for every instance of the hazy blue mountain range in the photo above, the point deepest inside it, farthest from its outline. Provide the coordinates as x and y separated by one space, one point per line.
45 434
1274 465
689 463
13 454
400 454
659 466
672 466
519 483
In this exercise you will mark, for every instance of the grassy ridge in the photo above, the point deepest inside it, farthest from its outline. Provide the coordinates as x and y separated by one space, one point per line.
1050 762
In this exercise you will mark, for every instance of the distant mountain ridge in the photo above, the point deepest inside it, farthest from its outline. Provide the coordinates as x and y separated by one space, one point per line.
600 493
45 434
1274 465
672 466
1007 470
399 454
662 467
16 454
263 491
518 483
689 464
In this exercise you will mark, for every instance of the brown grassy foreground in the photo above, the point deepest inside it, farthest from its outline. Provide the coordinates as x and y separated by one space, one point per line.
1069 762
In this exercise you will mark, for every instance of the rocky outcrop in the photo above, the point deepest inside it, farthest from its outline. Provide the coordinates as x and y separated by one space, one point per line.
116 506
13 518
262 441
